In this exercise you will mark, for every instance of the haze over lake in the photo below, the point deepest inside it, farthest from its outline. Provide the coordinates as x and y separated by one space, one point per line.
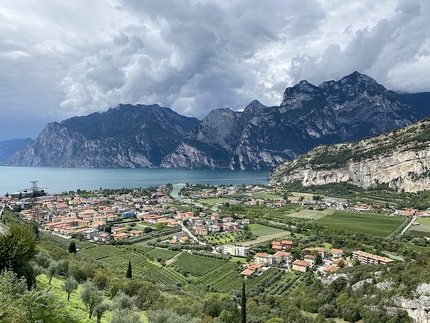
56 180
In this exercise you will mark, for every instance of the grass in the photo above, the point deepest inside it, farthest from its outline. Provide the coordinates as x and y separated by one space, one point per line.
362 223
311 214
423 221
163 254
262 230
267 196
75 304
224 238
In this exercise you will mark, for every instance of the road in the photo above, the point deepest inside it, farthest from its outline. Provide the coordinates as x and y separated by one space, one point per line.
3 228
264 238
407 227
190 234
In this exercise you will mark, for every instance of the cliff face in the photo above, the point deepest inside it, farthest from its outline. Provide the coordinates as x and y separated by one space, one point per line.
400 158
418 308
126 136
261 137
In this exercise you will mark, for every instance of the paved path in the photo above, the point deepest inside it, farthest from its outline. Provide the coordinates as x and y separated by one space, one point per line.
264 238
407 227
190 234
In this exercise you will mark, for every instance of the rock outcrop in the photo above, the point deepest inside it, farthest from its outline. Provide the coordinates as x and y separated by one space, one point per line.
399 158
419 307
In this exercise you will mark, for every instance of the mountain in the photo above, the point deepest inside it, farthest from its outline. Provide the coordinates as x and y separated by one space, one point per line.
261 137
126 136
9 147
399 158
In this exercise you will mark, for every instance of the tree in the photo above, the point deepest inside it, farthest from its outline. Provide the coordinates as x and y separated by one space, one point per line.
17 248
70 285
19 305
72 247
52 270
90 296
243 304
122 301
125 316
100 309
129 273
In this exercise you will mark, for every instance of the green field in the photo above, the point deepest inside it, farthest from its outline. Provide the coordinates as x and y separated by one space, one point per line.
262 230
362 223
311 214
267 196
423 221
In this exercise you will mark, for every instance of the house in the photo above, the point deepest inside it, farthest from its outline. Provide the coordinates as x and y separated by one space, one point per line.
90 234
214 228
276 245
300 265
368 258
235 250
116 230
201 231
287 244
336 253
331 269
321 251
310 259
104 237
135 233
265 259
120 236
229 226
283 256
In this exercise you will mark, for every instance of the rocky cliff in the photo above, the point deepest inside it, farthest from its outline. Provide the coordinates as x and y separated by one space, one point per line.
399 158
9 147
126 136
261 137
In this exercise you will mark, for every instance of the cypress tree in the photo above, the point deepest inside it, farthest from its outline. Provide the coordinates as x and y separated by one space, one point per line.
72 247
243 305
129 273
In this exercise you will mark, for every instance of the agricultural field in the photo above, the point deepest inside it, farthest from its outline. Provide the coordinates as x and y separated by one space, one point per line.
267 196
119 257
420 230
195 265
213 201
374 224
311 214
262 230
162 254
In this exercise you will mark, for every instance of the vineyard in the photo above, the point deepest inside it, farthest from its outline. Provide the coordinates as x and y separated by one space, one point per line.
118 258
161 254
196 265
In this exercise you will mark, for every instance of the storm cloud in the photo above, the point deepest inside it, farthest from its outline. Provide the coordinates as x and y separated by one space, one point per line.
61 59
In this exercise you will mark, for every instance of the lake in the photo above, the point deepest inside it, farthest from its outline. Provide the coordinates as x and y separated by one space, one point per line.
57 179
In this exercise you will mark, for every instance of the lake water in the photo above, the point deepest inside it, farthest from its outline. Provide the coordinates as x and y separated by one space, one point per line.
57 180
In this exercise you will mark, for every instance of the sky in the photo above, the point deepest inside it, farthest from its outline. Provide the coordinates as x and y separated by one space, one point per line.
61 58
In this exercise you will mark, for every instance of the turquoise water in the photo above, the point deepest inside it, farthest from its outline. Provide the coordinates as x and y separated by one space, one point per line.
56 180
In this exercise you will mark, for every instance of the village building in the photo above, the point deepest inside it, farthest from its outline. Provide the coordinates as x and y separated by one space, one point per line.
300 265
368 258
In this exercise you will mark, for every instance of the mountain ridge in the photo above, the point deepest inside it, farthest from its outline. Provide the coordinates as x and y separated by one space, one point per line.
399 158
259 137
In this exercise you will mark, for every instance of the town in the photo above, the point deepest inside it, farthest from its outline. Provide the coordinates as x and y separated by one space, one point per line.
200 216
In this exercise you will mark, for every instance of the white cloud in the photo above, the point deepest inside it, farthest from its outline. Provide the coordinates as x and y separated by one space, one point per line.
195 56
